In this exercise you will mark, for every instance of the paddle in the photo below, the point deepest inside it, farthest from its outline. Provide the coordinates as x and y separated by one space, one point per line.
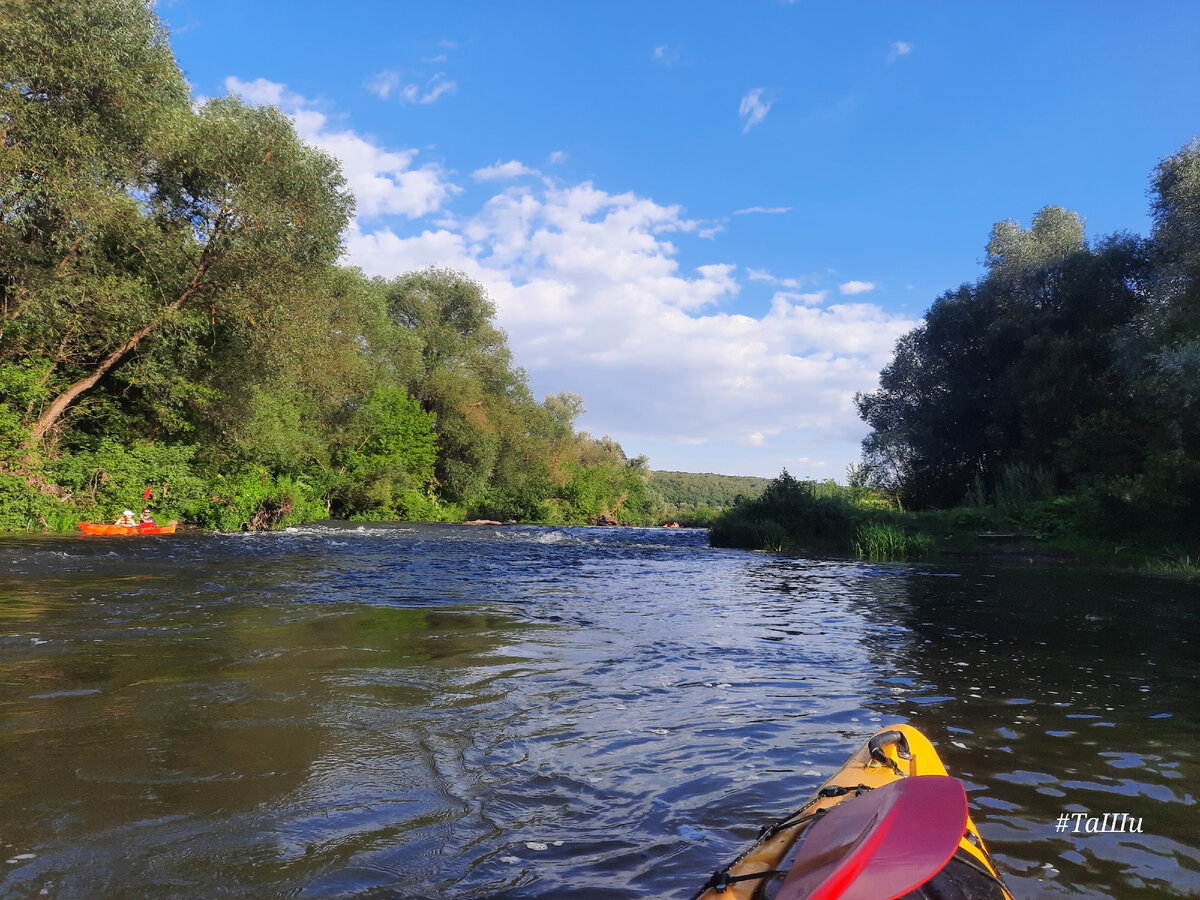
882 844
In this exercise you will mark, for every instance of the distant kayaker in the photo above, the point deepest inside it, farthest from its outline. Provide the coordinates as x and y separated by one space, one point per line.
147 518
127 519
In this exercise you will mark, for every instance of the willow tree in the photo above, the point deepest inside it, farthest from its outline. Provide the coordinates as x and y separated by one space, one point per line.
465 377
132 224
1016 370
82 88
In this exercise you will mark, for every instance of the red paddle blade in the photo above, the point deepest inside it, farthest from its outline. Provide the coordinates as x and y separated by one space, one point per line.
146 496
882 844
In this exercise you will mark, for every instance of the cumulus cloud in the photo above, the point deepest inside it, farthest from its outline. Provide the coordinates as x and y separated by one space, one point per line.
593 298
556 157
589 286
850 288
385 182
897 50
503 171
753 109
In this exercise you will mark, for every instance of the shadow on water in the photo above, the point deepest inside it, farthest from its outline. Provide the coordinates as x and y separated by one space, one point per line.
535 712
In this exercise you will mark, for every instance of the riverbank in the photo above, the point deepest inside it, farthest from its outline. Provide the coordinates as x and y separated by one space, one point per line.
795 516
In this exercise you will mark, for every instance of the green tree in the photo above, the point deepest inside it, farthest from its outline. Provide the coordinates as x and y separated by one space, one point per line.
84 92
466 376
1010 370
238 215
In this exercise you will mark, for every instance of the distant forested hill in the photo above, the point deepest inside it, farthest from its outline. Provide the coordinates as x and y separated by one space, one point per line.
691 489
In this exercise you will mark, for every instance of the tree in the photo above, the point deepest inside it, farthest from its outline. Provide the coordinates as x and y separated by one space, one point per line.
466 377
83 90
1053 236
1008 371
128 218
238 214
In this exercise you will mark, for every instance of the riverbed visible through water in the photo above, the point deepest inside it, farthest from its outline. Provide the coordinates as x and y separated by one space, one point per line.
347 710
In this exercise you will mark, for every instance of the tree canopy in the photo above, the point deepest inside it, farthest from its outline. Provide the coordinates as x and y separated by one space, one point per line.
1077 358
173 315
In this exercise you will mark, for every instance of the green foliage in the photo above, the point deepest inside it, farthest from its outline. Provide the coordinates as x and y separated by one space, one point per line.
24 508
790 514
385 467
252 498
880 541
825 517
689 490
114 476
1069 368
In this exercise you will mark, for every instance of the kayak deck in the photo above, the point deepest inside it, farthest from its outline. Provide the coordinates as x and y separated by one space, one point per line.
890 755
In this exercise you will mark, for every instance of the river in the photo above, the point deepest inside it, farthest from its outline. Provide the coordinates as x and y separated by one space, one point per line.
452 711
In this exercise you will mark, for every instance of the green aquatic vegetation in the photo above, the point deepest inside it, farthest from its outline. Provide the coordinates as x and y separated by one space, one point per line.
878 541
1185 567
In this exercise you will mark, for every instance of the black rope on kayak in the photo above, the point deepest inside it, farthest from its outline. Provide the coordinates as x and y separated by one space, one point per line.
841 790
798 818
790 822
721 880
966 859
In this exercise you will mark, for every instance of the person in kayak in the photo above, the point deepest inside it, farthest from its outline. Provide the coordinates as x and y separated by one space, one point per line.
147 518
126 518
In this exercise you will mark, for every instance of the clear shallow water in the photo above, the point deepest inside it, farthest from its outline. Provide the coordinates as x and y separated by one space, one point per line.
531 712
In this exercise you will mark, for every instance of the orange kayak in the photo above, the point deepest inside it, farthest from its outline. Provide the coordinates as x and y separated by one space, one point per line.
125 530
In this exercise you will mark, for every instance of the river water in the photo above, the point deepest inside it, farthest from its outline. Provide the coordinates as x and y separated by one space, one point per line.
448 711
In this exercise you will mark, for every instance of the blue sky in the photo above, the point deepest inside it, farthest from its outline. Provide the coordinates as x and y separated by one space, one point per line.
713 219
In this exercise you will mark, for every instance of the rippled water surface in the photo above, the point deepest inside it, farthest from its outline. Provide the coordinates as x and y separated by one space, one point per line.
446 711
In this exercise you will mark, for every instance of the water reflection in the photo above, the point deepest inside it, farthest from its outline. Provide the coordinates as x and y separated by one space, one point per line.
447 711
1058 692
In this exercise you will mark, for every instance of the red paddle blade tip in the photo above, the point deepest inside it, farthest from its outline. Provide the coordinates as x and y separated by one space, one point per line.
882 844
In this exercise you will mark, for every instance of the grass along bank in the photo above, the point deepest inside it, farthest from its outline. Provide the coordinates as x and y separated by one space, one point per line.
1020 516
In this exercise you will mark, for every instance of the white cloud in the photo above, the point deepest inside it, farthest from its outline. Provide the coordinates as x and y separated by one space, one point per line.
385 182
589 287
383 83
502 171
851 288
812 298
666 54
768 210
437 86
793 283
753 109
388 82
897 50
556 157
591 294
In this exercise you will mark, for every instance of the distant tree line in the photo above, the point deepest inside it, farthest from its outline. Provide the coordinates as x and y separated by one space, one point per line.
1071 365
692 498
173 317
